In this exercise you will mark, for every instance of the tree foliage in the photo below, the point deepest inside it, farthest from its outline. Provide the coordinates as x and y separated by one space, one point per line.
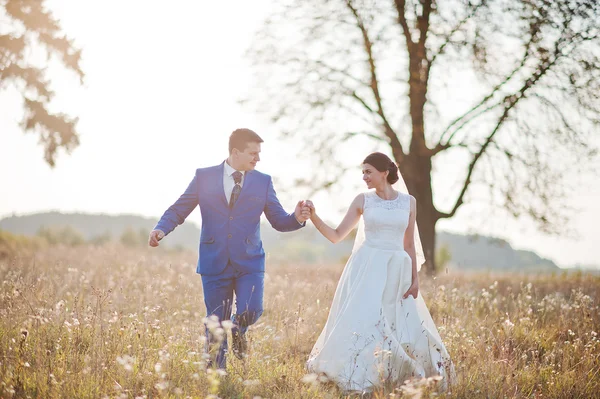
29 38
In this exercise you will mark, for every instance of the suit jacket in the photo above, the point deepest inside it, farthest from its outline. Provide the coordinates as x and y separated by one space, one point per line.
229 234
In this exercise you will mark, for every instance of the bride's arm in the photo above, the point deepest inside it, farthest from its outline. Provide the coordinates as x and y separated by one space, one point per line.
409 247
348 223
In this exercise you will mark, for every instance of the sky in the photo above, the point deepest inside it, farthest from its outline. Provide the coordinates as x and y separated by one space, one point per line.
160 99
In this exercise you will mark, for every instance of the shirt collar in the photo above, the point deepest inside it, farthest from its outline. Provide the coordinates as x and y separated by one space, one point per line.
229 170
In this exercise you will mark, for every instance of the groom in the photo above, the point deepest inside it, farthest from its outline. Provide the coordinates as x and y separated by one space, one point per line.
232 197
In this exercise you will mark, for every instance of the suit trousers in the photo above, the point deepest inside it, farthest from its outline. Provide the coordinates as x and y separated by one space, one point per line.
219 291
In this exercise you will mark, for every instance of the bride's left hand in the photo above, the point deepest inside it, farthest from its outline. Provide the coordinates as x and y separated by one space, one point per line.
311 207
412 290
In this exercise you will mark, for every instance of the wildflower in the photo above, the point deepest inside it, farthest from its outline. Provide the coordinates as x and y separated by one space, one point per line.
212 322
411 392
126 361
162 385
227 325
221 372
310 378
59 305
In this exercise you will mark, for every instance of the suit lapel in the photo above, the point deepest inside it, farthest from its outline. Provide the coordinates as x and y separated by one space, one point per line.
221 187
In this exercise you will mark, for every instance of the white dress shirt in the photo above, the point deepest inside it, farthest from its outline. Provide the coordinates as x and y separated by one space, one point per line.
228 182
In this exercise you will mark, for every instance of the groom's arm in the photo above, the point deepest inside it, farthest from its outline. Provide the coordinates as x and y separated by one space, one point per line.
277 216
180 210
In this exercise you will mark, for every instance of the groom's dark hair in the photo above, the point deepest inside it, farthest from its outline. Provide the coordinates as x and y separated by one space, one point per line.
240 138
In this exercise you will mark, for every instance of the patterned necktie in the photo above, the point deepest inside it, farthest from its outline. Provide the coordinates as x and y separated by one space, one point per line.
235 193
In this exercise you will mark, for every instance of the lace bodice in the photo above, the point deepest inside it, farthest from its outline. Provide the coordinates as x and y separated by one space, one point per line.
386 220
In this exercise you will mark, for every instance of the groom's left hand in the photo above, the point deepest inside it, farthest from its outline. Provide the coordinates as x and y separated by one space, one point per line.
302 212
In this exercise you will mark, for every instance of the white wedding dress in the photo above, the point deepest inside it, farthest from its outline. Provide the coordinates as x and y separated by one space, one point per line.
372 335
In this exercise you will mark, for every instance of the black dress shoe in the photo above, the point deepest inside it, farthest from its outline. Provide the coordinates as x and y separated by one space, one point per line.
239 344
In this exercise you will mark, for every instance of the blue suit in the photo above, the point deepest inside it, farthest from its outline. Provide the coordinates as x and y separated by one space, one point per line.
231 257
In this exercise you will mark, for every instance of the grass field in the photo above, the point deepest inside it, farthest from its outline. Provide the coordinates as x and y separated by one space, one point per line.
95 322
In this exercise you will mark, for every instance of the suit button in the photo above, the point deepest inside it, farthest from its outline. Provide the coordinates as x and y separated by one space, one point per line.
230 217
228 235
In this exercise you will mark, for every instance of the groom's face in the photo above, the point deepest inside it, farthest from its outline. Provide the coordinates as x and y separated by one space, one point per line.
248 158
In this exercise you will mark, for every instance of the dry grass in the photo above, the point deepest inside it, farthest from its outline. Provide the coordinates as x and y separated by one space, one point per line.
96 322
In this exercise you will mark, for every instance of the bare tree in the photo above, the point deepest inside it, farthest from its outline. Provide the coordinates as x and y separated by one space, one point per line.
27 29
517 83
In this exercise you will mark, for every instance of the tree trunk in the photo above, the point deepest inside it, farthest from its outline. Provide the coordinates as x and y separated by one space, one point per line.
416 171
416 166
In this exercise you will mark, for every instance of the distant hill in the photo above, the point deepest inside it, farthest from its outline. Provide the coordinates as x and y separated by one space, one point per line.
306 245
480 252
96 225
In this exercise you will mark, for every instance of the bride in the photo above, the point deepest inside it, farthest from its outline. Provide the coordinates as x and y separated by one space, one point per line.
379 329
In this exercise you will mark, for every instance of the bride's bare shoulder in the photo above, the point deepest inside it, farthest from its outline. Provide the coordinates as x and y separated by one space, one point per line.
413 201
359 202
360 198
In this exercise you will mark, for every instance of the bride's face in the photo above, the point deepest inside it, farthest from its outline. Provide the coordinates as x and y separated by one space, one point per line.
373 177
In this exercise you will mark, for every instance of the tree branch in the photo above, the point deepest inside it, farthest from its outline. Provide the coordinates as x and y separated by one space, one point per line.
556 109
389 132
364 103
423 22
341 72
453 31
509 102
350 135
495 90
438 148
401 8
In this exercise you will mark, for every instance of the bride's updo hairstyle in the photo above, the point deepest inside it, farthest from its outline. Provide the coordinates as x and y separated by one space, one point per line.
382 162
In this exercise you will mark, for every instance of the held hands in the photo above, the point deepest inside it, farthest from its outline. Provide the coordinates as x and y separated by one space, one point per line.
311 207
302 212
155 237
412 290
